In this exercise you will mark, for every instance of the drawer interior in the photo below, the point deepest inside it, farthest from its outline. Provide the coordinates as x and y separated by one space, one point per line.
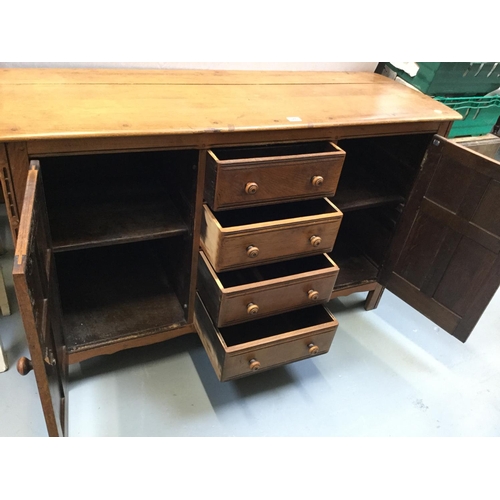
274 150
273 271
266 328
256 215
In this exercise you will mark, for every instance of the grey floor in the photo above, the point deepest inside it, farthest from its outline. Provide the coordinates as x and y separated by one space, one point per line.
390 372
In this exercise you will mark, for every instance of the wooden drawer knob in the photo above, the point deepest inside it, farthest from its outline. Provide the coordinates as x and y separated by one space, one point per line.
313 295
254 365
252 308
251 187
252 251
317 180
313 349
315 241
24 366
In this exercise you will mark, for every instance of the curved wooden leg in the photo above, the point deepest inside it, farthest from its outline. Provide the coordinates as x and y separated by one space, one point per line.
374 297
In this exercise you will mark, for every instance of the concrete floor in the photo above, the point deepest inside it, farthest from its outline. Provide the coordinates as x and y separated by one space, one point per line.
390 372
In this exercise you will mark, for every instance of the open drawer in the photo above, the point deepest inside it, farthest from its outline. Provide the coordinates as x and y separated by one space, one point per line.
252 236
240 350
246 294
255 175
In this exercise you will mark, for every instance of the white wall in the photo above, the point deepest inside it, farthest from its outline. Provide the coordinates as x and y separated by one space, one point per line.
283 66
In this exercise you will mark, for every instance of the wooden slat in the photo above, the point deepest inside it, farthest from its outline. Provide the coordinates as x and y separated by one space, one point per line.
139 104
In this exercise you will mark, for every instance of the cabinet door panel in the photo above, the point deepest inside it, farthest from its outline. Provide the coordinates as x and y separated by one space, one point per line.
444 260
36 287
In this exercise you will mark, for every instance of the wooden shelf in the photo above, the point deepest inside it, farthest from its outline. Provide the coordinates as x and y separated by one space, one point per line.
363 185
112 293
107 199
101 222
358 190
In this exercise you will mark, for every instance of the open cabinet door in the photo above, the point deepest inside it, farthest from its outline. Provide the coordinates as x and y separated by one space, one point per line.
38 296
444 259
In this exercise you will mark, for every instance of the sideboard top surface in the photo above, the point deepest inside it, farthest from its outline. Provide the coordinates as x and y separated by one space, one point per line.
81 103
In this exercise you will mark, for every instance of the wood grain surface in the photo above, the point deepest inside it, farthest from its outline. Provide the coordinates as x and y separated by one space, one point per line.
59 104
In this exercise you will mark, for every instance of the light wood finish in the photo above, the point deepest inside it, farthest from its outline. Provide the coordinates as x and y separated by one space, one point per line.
59 104
63 76
277 238
36 288
265 290
309 335
313 349
57 115
263 175
208 140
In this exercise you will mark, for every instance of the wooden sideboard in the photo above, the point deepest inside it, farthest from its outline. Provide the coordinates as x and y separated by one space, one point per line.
152 204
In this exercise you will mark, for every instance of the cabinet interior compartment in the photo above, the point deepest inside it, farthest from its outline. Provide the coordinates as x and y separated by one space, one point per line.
108 293
106 199
274 325
122 231
362 244
379 171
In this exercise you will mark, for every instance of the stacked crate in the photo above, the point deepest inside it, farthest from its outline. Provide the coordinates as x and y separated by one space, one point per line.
468 88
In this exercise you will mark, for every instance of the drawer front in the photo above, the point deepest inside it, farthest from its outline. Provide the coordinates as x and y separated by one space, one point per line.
253 248
253 356
255 244
259 181
247 302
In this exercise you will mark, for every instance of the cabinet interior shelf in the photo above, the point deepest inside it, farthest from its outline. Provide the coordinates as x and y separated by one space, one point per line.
355 267
361 187
110 293
103 222
108 199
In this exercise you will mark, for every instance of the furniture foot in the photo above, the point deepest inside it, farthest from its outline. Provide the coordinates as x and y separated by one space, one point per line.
374 297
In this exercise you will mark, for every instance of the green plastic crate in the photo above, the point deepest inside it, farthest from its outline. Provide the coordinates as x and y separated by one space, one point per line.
480 114
456 78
